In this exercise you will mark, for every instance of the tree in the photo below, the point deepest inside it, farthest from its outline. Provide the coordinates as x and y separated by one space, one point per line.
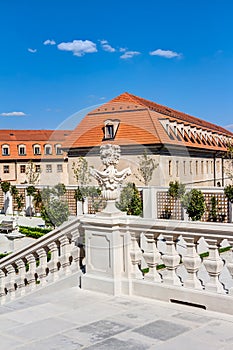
147 165
5 186
14 193
130 200
194 202
54 210
81 172
176 190
37 199
228 190
32 176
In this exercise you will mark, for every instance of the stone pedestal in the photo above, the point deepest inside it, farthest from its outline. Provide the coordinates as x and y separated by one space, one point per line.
107 254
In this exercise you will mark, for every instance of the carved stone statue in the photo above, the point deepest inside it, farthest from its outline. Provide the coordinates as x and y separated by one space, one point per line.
110 179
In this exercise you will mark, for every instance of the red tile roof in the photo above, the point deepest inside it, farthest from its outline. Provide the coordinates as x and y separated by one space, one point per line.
29 138
139 124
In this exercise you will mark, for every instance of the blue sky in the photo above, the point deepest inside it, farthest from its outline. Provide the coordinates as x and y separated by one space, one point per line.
61 57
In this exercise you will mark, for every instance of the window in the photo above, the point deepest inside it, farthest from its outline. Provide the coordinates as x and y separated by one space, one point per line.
177 168
110 128
196 167
184 167
170 167
202 167
38 168
191 167
6 169
58 149
48 168
59 168
109 132
5 150
48 150
207 167
37 150
22 150
22 169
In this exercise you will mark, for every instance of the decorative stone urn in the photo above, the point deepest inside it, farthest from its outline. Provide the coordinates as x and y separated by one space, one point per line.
110 179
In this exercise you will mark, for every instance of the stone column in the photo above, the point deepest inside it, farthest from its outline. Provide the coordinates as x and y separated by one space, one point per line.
10 282
152 257
53 263
171 259
2 287
214 266
30 275
192 263
20 277
41 269
65 255
150 203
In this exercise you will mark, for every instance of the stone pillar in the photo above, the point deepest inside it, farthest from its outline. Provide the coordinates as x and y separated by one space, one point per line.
41 269
214 266
150 203
108 261
53 263
192 263
2 287
30 275
171 259
152 257
20 277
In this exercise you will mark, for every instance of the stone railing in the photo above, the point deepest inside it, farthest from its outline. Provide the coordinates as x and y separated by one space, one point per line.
185 262
192 262
51 257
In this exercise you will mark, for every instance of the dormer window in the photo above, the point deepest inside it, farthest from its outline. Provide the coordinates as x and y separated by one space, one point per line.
110 129
36 150
22 150
48 150
58 149
5 150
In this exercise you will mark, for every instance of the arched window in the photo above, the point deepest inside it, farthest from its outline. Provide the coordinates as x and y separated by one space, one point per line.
58 149
22 150
47 149
36 149
5 150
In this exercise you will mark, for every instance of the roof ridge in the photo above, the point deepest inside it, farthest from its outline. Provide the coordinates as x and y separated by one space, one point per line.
127 97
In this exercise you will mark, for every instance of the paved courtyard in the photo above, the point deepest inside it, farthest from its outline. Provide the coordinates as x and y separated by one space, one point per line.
73 319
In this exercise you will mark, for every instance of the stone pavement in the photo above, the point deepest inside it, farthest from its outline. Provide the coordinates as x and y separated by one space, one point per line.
73 319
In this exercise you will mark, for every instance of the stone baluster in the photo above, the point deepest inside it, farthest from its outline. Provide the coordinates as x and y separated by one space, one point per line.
10 282
20 277
2 287
136 256
75 252
152 257
214 265
171 259
30 275
41 269
192 263
53 263
65 255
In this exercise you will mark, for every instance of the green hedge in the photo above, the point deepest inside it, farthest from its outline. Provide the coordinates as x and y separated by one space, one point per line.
34 232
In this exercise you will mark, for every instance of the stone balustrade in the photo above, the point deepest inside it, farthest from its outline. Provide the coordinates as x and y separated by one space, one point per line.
52 257
192 260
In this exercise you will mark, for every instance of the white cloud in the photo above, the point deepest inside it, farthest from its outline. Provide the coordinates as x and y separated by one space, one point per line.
165 53
49 42
32 50
13 114
129 54
106 47
122 49
78 47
